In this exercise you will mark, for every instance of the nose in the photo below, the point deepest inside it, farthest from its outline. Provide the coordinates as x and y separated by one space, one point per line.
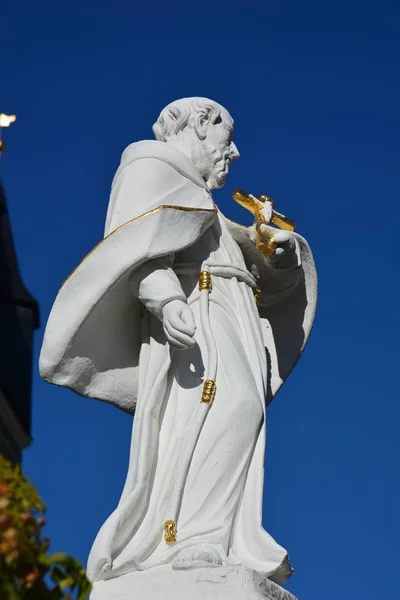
234 151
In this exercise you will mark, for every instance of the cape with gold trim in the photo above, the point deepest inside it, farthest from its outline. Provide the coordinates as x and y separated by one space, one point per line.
159 205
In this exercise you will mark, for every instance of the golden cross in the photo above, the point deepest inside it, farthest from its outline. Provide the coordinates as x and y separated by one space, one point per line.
255 204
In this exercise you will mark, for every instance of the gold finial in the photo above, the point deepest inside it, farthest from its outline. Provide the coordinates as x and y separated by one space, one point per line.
5 121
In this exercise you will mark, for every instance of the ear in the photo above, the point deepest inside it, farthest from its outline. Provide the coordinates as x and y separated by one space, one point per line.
202 121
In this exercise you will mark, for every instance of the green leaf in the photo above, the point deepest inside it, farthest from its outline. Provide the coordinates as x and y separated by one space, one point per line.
67 582
57 574
58 557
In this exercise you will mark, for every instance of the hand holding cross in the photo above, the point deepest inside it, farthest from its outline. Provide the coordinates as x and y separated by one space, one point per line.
264 214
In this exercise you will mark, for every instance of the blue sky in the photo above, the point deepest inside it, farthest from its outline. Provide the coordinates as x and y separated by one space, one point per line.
314 89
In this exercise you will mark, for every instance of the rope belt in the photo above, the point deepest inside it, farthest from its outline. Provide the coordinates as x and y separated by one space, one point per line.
209 386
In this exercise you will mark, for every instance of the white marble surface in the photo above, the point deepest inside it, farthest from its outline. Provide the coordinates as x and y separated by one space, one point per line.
132 313
163 583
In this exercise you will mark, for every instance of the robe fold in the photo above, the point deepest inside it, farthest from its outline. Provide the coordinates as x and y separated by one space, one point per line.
105 340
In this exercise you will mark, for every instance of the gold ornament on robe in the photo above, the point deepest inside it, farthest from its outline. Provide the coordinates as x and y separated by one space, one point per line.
208 394
255 204
205 282
170 531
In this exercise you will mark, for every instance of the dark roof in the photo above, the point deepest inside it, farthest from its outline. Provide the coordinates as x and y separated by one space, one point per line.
12 288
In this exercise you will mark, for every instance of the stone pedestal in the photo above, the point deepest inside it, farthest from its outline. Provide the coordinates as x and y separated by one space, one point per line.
164 583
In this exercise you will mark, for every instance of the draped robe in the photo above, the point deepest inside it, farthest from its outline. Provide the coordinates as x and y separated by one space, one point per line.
105 340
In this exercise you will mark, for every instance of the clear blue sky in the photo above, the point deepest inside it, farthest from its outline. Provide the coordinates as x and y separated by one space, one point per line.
314 89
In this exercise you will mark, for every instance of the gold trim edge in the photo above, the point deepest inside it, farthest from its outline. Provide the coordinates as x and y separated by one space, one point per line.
149 212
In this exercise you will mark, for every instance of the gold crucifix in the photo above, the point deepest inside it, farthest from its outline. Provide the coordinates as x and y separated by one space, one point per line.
264 240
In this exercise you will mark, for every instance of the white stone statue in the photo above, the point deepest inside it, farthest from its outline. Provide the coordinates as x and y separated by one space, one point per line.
197 363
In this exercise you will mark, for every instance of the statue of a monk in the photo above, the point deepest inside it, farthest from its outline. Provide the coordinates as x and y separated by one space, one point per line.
196 364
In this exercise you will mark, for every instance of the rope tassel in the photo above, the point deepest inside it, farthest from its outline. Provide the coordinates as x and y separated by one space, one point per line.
209 389
205 281
170 531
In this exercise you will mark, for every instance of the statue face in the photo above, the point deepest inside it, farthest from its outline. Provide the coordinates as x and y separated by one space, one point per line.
221 149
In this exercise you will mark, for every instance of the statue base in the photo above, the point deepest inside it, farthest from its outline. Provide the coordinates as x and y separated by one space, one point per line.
164 583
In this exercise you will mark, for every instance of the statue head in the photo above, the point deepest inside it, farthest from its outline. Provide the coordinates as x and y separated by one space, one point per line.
202 129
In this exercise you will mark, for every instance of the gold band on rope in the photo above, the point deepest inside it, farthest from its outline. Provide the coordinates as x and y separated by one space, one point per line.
205 281
208 394
170 532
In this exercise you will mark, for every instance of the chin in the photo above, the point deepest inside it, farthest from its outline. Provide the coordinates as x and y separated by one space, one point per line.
215 183
219 178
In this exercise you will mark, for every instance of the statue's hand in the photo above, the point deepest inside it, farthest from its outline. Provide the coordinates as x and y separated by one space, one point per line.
179 325
287 246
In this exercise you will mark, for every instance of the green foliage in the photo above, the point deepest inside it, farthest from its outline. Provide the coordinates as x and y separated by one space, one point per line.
27 571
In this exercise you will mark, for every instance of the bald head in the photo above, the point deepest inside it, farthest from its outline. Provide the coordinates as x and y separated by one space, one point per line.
196 113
